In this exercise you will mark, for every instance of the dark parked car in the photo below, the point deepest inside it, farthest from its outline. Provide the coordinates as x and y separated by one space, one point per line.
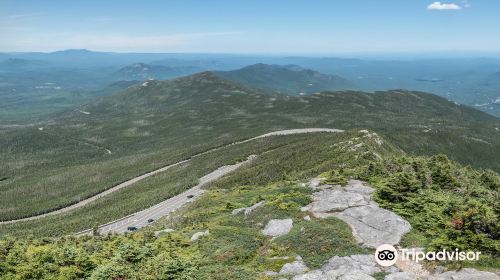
131 228
151 220
190 196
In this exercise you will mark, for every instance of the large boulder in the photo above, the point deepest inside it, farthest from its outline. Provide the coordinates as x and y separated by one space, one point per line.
277 228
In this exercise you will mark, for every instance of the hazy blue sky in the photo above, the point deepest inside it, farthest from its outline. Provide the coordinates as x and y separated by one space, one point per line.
252 26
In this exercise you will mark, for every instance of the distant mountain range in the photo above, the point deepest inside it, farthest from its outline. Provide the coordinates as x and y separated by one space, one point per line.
286 79
466 81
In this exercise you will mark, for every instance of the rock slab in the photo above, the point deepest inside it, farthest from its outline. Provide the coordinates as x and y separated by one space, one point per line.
374 226
465 274
371 225
277 227
294 268
344 268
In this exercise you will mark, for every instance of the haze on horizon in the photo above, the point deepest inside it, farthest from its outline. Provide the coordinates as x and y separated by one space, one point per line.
279 26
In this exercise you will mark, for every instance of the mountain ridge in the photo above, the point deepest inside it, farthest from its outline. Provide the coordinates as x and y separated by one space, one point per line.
286 79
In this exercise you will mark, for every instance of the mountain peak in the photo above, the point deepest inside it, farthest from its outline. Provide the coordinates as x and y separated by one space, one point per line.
286 79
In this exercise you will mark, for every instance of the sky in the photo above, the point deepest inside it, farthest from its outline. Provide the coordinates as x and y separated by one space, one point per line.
252 26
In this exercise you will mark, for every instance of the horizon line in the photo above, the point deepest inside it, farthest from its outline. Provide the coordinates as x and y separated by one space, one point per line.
441 53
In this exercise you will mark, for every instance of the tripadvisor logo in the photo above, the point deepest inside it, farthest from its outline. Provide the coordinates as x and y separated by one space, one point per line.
386 255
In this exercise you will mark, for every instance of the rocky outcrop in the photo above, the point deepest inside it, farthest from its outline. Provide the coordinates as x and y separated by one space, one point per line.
336 199
277 228
355 263
465 274
401 276
371 225
294 268
349 267
363 266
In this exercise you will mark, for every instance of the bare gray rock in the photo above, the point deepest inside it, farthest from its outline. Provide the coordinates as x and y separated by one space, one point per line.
277 228
348 268
465 274
356 276
313 275
325 187
333 275
371 225
350 264
374 226
295 267
401 276
334 200
439 269
360 187
314 183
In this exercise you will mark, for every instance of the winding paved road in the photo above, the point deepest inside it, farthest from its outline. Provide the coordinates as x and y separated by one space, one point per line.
147 216
138 178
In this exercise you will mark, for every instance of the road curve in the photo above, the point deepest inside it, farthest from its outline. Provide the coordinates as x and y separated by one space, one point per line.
146 175
140 219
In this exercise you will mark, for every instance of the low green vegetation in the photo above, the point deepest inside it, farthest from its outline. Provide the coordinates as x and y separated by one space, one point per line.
234 248
280 158
448 205
315 240
149 191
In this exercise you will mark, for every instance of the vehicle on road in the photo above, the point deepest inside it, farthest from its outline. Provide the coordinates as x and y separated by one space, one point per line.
151 220
131 228
190 196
